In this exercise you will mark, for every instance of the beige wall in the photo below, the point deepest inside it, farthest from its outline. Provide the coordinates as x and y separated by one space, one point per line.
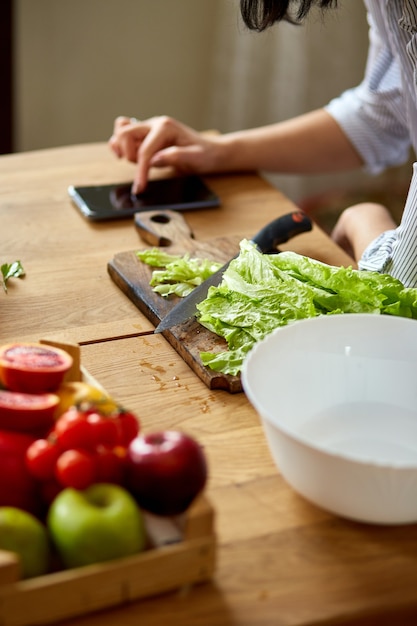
79 63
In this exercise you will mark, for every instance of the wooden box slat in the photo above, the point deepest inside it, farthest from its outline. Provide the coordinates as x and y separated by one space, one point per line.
73 592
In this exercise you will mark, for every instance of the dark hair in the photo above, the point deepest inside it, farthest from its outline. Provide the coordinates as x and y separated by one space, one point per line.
260 14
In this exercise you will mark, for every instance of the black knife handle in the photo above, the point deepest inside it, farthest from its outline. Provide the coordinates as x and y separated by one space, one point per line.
281 230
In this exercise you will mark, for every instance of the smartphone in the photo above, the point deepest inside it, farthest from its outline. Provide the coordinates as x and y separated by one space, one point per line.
109 202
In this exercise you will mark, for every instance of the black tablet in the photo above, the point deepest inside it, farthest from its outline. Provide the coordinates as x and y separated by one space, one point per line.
108 202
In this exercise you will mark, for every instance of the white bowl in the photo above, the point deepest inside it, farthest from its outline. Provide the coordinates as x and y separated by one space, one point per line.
337 396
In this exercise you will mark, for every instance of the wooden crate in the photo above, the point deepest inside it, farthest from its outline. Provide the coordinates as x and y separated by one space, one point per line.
182 553
73 592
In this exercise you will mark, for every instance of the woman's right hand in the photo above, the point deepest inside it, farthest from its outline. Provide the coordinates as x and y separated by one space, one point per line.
161 142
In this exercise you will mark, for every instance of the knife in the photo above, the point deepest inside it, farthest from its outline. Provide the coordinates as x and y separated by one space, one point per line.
276 232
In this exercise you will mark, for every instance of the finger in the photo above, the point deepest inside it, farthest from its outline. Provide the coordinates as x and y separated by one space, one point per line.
127 139
161 134
120 122
114 142
114 146
169 157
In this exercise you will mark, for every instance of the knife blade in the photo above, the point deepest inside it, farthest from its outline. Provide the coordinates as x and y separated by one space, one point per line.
267 239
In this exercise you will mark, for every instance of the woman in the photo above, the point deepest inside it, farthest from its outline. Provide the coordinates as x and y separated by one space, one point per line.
372 126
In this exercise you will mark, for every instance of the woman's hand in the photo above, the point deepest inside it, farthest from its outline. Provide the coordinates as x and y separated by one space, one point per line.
160 142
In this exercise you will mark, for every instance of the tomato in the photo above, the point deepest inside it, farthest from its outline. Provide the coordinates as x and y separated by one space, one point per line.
103 429
72 430
33 367
17 487
110 464
41 458
128 426
87 429
27 412
76 469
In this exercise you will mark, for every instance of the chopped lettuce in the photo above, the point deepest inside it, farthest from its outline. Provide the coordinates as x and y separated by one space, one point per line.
261 292
180 274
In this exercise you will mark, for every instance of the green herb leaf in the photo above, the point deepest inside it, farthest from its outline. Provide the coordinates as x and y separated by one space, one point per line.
11 270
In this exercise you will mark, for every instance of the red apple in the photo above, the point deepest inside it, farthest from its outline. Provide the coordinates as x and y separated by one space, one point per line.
165 471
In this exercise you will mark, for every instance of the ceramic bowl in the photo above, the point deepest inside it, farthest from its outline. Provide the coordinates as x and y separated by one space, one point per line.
337 396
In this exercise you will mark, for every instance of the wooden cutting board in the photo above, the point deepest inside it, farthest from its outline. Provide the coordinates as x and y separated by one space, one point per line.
170 231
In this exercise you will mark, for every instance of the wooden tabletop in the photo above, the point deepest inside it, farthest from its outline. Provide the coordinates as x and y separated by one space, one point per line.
281 561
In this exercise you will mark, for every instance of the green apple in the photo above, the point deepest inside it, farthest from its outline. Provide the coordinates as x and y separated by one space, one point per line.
22 533
100 523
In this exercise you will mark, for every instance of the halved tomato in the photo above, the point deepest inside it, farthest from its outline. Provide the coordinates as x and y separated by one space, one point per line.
33 367
27 412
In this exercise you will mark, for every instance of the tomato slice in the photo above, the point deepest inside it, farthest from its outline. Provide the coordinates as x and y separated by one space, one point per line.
27 412
33 367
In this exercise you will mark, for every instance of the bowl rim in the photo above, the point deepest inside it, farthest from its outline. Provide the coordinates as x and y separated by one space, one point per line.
398 466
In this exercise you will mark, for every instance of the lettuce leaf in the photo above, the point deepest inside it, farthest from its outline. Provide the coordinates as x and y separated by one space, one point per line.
180 274
261 292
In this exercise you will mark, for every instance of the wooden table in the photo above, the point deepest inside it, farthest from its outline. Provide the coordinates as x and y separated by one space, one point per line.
281 560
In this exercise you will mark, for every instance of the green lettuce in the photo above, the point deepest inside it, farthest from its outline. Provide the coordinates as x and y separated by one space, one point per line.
180 274
261 292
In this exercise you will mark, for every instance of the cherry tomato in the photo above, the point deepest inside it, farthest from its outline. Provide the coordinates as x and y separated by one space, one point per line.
73 431
103 429
41 458
110 463
76 468
128 427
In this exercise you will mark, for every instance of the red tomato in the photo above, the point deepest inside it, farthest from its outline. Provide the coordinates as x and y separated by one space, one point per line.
103 429
73 431
41 458
128 427
76 468
17 487
110 465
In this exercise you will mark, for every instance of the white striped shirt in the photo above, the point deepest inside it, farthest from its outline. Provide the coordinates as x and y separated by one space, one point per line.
380 119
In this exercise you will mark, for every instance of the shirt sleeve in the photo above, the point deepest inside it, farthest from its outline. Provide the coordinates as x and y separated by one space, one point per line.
373 114
395 251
